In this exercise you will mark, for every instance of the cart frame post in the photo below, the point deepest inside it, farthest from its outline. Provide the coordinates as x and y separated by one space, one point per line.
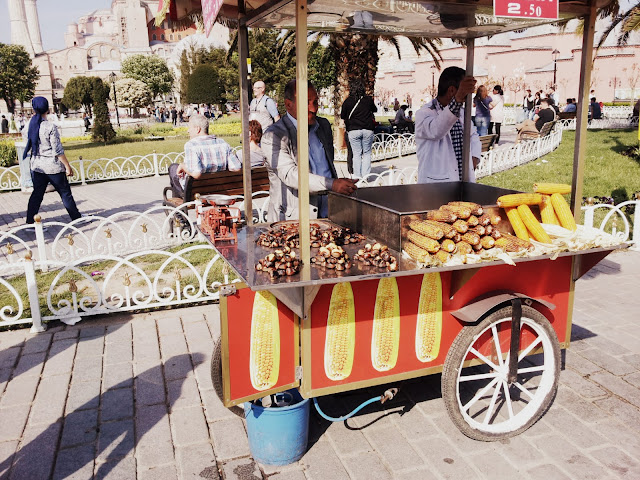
243 54
586 64
302 112
466 138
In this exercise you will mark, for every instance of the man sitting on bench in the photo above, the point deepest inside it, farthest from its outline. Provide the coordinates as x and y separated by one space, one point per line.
546 114
203 153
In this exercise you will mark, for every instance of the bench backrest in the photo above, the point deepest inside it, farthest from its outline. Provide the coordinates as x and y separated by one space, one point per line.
566 115
225 183
487 141
547 128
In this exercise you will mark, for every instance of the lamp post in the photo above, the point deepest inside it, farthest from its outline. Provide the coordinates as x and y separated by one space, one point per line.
112 77
555 54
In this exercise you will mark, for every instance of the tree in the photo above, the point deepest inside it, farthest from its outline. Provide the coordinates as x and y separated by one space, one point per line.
628 21
633 78
18 77
102 128
151 70
204 86
185 72
131 94
79 93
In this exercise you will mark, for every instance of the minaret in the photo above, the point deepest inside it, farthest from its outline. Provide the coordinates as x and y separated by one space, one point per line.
19 27
33 24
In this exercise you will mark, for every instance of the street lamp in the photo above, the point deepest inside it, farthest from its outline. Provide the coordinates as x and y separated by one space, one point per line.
555 54
112 77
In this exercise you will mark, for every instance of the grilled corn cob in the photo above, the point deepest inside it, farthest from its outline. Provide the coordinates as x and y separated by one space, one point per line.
441 216
473 221
457 238
495 219
264 361
428 229
550 188
479 229
385 340
518 225
476 208
448 245
547 214
461 226
463 247
429 324
532 224
448 230
429 244
487 242
516 199
340 341
485 220
510 243
442 256
563 211
477 247
461 212
415 252
471 238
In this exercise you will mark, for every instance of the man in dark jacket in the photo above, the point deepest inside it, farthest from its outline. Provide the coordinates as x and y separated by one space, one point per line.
5 124
279 144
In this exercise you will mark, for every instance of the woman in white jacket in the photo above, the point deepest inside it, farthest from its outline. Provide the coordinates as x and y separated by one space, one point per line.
497 111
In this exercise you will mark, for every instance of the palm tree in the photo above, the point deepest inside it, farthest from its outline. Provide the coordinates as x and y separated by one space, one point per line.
629 21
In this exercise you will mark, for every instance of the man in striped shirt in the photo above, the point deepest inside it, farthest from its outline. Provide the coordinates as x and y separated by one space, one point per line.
204 153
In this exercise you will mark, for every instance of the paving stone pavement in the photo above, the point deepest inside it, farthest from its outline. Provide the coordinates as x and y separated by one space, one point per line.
129 396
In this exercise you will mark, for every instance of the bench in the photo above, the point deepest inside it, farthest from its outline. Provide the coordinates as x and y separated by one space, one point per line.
546 129
488 141
221 183
566 115
406 128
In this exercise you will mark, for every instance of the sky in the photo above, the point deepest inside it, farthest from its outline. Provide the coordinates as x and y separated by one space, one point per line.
54 16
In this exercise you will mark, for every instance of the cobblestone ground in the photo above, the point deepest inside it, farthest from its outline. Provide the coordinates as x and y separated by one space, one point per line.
130 396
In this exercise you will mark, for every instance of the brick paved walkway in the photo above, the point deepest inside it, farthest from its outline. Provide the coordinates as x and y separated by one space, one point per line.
130 396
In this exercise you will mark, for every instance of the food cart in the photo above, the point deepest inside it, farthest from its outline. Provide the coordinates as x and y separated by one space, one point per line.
494 327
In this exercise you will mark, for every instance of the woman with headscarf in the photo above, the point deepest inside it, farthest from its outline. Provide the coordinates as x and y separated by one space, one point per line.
358 114
483 112
47 161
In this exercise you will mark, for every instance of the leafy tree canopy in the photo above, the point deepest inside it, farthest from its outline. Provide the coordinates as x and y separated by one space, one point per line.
151 70
79 93
131 93
18 77
204 86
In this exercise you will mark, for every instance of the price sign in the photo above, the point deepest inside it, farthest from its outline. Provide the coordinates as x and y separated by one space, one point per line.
545 9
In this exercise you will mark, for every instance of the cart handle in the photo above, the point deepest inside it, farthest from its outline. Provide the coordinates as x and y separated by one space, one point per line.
388 395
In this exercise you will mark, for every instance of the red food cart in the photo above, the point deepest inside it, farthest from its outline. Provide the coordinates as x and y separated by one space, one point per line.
494 329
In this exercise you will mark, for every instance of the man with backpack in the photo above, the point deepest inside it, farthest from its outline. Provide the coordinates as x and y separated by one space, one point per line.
528 105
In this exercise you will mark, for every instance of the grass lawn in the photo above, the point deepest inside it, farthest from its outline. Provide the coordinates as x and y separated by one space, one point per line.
93 151
607 172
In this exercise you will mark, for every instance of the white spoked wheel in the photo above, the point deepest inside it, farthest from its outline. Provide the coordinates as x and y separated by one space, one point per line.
482 401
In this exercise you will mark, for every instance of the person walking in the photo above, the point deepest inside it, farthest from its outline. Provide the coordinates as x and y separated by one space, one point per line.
497 111
5 124
47 161
358 114
482 100
174 115
527 104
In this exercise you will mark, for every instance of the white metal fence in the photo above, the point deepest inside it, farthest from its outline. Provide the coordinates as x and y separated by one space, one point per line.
133 261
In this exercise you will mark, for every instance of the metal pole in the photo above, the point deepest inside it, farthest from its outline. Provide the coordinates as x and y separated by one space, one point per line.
243 54
302 114
115 101
586 64
555 66
466 139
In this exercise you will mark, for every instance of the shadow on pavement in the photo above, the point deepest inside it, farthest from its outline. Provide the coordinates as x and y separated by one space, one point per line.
114 439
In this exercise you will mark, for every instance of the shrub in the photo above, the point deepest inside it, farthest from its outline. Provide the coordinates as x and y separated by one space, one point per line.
225 128
8 154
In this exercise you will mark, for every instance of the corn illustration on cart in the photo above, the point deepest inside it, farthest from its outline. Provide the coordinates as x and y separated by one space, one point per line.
494 330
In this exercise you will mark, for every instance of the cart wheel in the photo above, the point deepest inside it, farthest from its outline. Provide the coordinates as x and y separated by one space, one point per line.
216 377
475 388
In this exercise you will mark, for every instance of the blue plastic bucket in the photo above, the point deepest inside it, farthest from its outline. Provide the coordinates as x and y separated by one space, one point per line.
278 435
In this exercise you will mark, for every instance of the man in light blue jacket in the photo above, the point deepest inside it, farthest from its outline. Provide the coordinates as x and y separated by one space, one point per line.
439 131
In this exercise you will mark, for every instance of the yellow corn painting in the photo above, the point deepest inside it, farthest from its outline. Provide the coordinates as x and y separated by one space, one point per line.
264 362
385 341
340 340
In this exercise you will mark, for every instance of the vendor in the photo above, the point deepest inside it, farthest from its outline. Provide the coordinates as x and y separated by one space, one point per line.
279 144
439 131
